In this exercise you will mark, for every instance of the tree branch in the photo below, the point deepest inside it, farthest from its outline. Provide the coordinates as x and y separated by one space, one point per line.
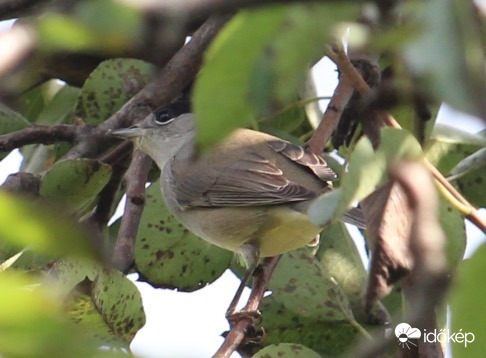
329 122
36 134
136 177
239 331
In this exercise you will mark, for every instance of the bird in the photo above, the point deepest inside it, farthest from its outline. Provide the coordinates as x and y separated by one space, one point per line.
248 194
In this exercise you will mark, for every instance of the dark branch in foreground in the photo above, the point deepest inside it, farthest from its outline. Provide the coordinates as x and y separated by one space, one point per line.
36 134
136 177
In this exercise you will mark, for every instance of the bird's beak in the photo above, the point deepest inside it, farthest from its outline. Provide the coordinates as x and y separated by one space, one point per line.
127 133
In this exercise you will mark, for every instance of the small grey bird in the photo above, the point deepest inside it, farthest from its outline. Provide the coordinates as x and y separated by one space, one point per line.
249 194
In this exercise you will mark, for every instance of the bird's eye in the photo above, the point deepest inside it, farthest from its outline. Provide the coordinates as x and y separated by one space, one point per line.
163 117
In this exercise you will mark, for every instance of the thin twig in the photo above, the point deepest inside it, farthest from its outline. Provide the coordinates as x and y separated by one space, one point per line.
238 332
36 134
346 67
330 119
136 177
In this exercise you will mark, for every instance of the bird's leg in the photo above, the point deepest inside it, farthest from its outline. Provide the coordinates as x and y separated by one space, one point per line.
251 256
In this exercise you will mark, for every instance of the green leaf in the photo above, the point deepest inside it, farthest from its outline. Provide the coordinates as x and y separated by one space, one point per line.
24 223
340 258
168 255
368 169
75 183
452 223
303 286
234 89
454 135
224 84
119 302
11 121
472 186
323 209
109 86
31 103
282 325
445 156
105 303
467 306
406 116
471 162
89 29
289 350
457 60
60 108
69 272
32 323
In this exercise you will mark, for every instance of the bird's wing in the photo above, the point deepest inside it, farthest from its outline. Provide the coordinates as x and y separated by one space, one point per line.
251 180
316 164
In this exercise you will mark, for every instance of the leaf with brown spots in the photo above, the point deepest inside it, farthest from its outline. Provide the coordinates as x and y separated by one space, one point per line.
168 255
119 303
303 286
328 338
109 86
339 256
105 303
289 350
75 183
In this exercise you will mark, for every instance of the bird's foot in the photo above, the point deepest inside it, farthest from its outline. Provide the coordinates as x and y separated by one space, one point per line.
254 316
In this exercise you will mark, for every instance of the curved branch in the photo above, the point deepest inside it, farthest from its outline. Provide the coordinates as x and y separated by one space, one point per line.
36 134
238 332
136 177
329 122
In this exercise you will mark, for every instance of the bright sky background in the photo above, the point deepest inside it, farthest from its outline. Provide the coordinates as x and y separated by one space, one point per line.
189 324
